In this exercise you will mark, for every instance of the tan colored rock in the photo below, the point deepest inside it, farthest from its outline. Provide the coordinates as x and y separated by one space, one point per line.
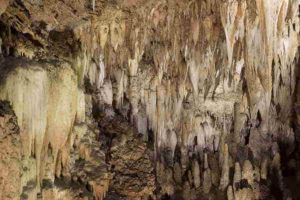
55 97
248 172
196 173
230 195
225 169
3 5
244 194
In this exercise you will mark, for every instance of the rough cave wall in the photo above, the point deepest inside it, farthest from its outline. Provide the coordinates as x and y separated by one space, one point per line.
214 81
10 153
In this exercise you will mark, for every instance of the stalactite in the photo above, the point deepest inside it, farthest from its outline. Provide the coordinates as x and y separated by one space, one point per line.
101 72
196 173
93 4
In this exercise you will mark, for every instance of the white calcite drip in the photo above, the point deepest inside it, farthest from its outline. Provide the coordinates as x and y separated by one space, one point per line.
33 93
93 4
101 72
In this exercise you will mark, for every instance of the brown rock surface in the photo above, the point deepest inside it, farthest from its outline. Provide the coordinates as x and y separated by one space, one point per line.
130 159
3 5
10 154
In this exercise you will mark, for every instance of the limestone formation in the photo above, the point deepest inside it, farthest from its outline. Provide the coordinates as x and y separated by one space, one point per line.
149 99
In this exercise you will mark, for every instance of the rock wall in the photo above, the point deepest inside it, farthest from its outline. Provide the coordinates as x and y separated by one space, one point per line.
10 154
212 84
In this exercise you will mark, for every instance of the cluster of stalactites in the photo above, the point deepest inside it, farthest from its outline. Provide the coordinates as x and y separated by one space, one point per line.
46 141
256 51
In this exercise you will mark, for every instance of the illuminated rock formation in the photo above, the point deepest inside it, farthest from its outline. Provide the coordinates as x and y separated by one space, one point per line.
205 91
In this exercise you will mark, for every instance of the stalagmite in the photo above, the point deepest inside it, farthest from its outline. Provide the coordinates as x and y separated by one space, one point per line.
244 194
225 169
248 173
230 195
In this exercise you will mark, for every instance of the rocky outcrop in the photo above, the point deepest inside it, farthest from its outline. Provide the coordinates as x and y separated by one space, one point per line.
33 91
50 110
10 154
131 160
212 84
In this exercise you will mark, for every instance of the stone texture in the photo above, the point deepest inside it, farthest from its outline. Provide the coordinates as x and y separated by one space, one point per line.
3 5
131 161
212 81
10 154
